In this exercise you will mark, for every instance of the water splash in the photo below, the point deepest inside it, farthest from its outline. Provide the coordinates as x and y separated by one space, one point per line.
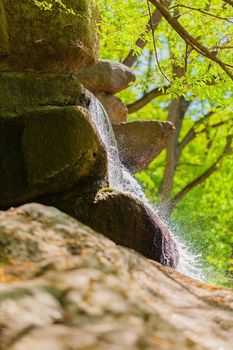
189 263
121 179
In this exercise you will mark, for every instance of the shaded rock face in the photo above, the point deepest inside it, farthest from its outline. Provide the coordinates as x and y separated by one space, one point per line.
82 291
52 41
115 108
122 218
47 150
106 76
140 142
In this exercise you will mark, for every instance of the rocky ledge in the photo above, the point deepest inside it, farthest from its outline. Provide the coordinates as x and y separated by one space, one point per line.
67 287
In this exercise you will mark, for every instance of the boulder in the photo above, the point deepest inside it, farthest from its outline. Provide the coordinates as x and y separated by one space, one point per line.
25 91
106 76
56 40
121 217
47 150
140 142
64 286
115 108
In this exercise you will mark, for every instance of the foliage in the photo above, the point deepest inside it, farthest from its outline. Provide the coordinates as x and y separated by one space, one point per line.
48 5
205 213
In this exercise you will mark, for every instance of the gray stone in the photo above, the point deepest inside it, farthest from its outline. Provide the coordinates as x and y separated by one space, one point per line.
140 142
106 76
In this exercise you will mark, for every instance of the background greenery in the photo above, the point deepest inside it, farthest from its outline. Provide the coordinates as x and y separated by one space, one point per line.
204 216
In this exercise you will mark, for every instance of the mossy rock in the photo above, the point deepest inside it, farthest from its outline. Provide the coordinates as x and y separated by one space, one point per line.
48 150
54 40
25 91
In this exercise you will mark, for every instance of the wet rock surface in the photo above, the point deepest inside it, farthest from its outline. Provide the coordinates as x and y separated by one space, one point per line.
115 108
65 286
106 76
52 41
140 142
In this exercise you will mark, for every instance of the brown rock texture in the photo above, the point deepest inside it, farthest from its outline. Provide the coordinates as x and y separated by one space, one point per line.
66 287
51 41
140 142
115 108
106 76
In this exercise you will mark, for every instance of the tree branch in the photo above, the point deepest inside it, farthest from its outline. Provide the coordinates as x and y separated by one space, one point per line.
191 134
156 92
189 39
204 12
147 98
226 151
141 42
229 2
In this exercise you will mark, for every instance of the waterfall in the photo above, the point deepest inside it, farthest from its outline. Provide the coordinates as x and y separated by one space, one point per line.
104 127
188 261
121 179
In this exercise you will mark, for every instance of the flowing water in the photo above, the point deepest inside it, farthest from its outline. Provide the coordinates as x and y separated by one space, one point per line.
121 179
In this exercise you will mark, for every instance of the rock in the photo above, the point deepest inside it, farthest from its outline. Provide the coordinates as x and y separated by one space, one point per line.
121 217
115 108
25 91
47 150
106 76
52 41
75 289
140 142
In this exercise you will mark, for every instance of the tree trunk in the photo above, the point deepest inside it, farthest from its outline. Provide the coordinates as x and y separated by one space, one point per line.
177 110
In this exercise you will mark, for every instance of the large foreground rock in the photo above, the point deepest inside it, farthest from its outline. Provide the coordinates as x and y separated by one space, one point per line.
106 76
47 150
140 142
81 291
52 41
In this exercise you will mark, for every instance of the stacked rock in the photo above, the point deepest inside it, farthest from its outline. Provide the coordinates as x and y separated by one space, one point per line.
47 139
51 150
104 79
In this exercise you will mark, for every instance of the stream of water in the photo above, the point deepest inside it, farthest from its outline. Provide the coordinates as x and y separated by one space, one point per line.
121 179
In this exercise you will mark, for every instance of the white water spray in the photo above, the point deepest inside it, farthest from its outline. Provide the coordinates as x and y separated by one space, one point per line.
121 179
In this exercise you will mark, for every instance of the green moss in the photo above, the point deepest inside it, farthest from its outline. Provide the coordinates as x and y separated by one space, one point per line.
24 91
70 43
16 293
106 189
